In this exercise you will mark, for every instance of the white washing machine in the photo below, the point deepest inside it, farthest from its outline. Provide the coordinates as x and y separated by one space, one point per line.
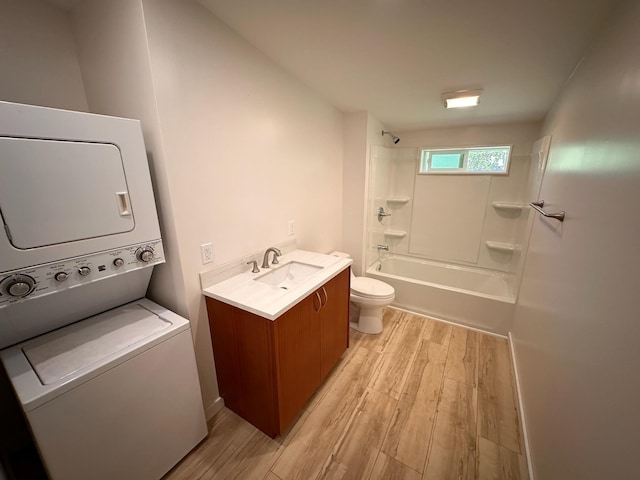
107 379
114 396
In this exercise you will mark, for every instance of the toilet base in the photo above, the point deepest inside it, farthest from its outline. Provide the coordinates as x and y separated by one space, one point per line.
369 331
369 320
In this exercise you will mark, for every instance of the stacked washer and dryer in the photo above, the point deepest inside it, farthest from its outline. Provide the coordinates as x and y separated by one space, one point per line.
106 379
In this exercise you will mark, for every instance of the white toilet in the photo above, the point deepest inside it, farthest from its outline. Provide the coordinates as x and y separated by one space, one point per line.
368 297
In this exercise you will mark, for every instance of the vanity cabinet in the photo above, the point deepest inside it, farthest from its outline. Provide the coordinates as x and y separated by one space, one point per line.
268 369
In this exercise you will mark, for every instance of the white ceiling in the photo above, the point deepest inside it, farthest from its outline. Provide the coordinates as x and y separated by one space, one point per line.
395 58
64 4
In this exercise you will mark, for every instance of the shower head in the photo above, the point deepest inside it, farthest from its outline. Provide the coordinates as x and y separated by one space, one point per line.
395 139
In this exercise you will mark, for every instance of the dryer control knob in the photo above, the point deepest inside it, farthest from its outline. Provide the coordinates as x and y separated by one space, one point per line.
61 276
18 285
118 262
145 254
84 271
19 289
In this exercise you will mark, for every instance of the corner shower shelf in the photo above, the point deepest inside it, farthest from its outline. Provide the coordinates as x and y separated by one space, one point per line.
395 233
502 246
398 200
507 206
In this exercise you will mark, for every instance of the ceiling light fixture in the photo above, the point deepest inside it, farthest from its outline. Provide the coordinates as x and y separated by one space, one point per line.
461 98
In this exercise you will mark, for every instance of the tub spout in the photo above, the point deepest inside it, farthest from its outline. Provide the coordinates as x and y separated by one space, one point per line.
382 247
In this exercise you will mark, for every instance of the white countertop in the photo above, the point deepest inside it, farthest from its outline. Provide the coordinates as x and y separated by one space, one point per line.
267 301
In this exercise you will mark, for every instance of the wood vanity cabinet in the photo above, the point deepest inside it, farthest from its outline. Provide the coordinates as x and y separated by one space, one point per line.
268 369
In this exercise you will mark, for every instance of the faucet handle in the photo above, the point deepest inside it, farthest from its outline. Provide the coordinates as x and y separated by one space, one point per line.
382 214
255 268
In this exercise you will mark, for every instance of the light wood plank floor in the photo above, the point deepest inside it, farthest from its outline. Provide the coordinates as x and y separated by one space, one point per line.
422 400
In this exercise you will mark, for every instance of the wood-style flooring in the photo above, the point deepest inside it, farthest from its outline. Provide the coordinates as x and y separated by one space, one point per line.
422 400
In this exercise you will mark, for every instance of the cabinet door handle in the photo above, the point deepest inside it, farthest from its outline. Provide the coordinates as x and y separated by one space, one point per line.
319 301
326 297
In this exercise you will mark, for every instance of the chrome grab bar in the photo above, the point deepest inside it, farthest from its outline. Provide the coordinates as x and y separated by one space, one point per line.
537 206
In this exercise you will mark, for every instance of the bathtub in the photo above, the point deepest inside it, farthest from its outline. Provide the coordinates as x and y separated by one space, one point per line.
469 296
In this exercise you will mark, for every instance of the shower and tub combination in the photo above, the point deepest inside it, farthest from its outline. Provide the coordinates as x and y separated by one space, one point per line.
467 295
452 246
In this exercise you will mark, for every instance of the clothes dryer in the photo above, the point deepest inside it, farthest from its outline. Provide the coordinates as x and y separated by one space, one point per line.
109 387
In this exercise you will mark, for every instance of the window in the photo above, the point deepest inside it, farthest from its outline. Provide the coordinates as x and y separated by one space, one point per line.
476 160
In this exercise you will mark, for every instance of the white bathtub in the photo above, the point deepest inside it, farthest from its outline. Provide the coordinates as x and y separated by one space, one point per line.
470 296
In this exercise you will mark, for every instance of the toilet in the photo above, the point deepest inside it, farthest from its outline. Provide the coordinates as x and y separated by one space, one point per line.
368 297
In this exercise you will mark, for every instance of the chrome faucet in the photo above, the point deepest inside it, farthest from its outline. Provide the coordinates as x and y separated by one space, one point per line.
382 247
276 254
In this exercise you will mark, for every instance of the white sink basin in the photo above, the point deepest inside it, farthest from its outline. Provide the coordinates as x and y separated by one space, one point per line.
300 273
288 275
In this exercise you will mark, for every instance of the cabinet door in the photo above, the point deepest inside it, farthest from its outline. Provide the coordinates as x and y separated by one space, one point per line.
223 340
244 355
298 357
334 321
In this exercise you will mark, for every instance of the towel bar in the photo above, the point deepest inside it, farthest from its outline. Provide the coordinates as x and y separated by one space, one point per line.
537 206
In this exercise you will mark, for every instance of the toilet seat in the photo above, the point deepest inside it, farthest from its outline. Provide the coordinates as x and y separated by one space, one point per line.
371 288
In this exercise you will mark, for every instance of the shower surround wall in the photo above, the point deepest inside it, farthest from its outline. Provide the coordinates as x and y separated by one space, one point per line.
445 214
461 221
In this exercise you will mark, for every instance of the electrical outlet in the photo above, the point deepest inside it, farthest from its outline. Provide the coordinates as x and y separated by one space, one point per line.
292 227
206 251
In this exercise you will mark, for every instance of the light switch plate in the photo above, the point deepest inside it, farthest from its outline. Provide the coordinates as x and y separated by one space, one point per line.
292 227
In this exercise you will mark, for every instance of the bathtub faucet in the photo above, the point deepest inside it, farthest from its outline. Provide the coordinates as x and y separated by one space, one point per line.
382 247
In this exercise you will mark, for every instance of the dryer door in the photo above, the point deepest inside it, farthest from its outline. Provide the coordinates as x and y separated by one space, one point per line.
54 191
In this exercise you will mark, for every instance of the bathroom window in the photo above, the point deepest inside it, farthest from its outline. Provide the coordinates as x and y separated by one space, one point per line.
476 160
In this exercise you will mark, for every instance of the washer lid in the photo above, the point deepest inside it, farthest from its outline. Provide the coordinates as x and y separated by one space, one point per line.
370 287
63 352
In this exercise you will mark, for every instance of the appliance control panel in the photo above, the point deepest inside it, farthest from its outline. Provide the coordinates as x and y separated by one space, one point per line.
32 282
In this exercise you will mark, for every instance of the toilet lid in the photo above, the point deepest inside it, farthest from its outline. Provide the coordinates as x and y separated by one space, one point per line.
371 288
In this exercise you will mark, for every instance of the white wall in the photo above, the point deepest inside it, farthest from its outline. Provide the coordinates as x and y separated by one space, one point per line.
361 132
247 148
114 59
38 56
238 147
353 186
577 325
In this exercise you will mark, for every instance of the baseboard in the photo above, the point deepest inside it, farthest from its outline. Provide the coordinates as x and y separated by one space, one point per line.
525 434
213 408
